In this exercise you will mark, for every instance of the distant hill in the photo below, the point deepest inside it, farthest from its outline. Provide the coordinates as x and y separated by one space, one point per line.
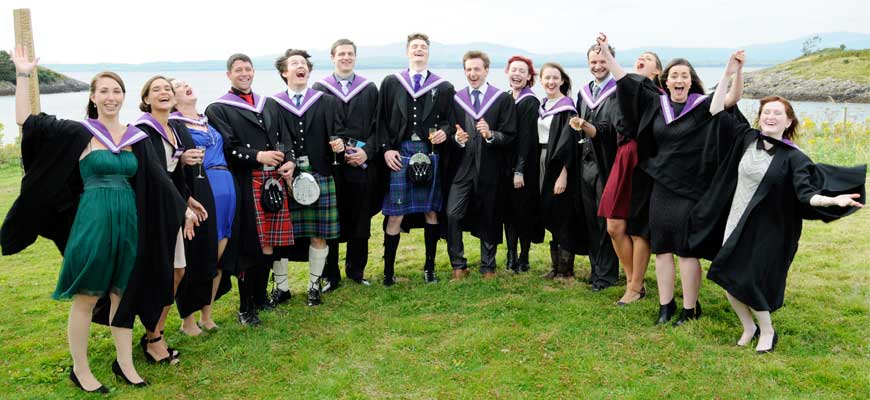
49 81
449 55
826 75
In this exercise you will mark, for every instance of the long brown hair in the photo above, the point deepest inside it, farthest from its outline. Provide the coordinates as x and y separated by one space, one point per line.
566 80
697 85
657 80
790 132
145 107
91 110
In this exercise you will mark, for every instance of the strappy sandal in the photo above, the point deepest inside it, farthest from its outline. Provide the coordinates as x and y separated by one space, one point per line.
144 342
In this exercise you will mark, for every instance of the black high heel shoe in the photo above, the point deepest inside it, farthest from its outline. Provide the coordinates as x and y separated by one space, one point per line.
116 369
772 345
172 352
754 337
666 312
144 342
75 379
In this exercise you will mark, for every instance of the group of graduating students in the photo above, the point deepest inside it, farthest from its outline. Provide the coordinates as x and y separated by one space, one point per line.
167 208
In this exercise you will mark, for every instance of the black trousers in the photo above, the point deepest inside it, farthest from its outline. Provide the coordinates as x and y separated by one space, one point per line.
461 194
355 260
605 264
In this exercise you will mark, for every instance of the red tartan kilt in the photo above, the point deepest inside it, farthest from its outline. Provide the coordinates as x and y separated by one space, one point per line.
274 229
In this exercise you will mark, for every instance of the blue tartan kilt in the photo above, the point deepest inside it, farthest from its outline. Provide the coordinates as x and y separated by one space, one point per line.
405 197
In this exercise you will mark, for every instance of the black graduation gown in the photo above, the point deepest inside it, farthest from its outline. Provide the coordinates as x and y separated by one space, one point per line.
607 119
753 263
563 213
356 188
483 163
395 122
683 155
48 200
245 133
524 210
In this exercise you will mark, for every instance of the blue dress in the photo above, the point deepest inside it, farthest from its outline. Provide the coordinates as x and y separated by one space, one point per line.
219 177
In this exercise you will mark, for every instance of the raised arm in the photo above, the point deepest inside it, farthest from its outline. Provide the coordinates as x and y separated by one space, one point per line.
604 49
728 98
23 68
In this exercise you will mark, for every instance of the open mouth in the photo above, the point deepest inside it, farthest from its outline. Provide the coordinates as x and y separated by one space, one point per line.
679 90
163 100
300 74
189 92
639 65
515 80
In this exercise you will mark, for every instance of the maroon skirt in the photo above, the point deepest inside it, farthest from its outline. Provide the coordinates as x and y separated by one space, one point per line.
616 197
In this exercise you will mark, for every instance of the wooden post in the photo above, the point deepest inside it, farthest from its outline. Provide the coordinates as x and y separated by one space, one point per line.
24 37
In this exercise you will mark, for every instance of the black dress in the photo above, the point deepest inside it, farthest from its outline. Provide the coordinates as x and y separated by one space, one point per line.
752 264
678 147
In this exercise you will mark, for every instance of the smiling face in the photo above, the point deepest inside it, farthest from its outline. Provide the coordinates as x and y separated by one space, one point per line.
647 66
551 80
679 81
296 71
184 94
241 75
475 72
108 96
773 119
160 97
344 59
418 52
598 66
518 75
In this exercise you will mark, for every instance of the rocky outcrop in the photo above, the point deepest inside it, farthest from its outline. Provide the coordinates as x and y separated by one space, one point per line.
767 82
66 85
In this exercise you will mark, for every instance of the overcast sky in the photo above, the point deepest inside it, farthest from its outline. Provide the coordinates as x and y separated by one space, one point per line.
89 31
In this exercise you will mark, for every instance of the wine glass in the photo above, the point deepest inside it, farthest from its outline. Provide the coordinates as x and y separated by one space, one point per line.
201 160
333 138
432 145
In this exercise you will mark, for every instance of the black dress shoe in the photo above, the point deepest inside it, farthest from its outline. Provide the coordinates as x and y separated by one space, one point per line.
598 286
523 266
314 297
689 314
666 312
329 286
267 305
75 379
389 280
429 276
249 318
116 369
772 345
280 296
361 281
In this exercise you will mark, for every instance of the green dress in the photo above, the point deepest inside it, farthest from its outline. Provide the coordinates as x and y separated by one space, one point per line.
101 250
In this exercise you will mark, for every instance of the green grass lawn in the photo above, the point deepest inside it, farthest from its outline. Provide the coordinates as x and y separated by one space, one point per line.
852 65
512 337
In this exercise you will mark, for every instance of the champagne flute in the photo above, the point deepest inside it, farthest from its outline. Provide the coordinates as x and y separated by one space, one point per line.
432 131
333 138
201 160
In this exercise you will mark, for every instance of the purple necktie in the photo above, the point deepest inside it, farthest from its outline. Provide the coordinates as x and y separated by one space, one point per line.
417 78
476 101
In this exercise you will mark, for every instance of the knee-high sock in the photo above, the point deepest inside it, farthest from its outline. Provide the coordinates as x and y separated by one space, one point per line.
246 297
279 272
431 236
391 244
316 262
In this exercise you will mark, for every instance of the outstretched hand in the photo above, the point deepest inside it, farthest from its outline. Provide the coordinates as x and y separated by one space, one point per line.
22 61
603 44
847 200
735 62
